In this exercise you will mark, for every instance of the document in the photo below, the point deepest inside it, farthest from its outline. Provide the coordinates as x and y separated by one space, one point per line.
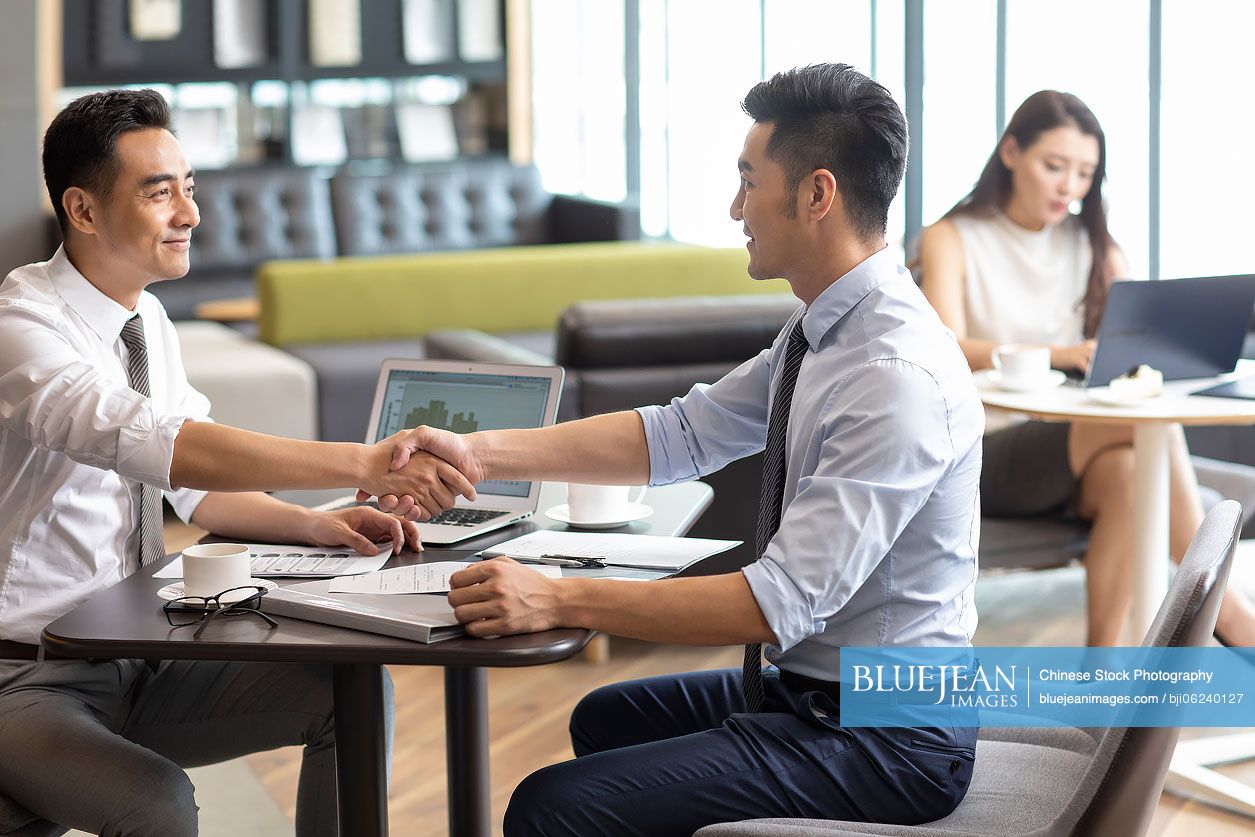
282 560
646 552
417 578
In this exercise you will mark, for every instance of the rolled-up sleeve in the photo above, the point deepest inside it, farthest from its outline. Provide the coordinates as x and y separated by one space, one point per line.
52 396
710 426
883 443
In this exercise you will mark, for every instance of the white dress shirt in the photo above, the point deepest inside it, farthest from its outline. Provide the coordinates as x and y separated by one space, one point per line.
76 440
877 540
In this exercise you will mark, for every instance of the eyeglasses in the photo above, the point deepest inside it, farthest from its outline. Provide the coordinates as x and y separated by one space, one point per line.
202 610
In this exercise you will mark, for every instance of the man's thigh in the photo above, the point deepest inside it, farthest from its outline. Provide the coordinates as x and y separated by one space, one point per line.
654 709
204 712
65 759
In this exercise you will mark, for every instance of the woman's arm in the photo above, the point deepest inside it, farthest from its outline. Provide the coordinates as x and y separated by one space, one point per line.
942 265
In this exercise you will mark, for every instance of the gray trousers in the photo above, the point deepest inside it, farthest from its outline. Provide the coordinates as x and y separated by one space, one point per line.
101 746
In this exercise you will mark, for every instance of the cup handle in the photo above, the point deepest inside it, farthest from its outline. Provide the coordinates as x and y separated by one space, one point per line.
996 358
640 494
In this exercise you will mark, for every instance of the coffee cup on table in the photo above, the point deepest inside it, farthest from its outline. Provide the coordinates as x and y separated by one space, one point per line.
1021 365
600 503
210 568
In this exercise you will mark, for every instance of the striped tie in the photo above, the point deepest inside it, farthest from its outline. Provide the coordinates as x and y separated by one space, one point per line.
151 543
771 500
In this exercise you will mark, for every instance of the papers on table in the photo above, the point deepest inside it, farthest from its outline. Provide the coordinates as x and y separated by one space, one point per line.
279 560
646 552
417 578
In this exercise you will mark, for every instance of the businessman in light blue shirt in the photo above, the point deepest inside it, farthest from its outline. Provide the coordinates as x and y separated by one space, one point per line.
867 535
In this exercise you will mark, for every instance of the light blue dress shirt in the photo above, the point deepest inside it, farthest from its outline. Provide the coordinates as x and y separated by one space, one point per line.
878 538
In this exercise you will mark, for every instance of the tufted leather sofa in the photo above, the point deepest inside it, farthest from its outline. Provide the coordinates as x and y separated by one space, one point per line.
623 353
250 216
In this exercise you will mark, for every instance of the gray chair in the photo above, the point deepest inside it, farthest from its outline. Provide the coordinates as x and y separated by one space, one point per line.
1056 782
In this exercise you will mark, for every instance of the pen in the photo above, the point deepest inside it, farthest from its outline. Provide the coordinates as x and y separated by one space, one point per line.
569 561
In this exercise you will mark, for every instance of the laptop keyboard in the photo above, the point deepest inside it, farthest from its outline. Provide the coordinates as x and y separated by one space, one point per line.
451 517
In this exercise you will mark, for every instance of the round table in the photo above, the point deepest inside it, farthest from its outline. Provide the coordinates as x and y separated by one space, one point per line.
1153 421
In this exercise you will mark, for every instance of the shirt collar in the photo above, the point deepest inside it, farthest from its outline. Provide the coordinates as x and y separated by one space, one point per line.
105 316
839 298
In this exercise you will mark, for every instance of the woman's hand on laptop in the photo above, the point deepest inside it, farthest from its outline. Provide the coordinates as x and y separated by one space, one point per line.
1073 357
420 487
451 448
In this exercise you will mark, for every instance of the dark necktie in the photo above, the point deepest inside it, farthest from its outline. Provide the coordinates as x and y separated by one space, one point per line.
151 542
772 498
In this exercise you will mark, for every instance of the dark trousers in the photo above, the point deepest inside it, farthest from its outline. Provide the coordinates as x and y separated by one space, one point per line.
668 755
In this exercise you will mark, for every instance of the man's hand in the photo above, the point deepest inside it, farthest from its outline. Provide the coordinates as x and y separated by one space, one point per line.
428 482
501 596
361 528
454 449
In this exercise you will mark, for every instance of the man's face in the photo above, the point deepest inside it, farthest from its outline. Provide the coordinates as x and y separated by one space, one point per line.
761 204
148 217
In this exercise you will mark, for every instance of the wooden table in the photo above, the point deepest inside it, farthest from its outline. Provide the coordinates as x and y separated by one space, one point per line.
126 621
241 309
1154 422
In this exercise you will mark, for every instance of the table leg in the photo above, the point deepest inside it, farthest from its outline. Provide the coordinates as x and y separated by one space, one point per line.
466 736
1151 509
361 765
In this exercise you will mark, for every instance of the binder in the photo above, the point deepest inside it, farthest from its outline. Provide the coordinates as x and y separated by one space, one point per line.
422 618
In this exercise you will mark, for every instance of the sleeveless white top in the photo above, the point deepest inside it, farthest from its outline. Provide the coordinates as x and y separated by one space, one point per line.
1024 286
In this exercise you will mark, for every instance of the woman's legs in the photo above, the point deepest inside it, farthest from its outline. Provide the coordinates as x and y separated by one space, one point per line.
1102 458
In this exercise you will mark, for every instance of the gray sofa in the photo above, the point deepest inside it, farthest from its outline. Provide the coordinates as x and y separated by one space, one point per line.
621 354
253 215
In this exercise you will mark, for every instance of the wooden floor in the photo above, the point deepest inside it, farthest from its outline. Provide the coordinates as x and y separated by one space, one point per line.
529 708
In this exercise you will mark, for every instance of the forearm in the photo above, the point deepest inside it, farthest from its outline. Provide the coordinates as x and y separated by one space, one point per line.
608 449
709 610
979 353
216 457
252 516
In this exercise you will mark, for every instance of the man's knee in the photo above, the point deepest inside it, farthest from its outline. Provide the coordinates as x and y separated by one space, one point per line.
163 802
536 802
590 715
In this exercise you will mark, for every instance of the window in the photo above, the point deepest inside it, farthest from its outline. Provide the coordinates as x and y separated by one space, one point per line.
1208 117
579 97
960 126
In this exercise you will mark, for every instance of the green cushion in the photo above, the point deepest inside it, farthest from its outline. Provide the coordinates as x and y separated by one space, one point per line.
505 289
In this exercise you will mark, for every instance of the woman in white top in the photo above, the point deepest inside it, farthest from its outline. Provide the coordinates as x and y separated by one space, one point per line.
1011 264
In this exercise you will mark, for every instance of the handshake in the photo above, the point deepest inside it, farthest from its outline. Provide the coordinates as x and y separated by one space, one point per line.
417 474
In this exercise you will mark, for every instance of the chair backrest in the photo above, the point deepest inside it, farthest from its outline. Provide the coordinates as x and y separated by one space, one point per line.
1121 788
485 203
248 216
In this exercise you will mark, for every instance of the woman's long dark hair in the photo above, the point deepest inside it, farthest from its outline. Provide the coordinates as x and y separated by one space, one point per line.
1041 112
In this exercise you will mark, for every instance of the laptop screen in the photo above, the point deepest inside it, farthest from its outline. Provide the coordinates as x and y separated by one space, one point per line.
464 402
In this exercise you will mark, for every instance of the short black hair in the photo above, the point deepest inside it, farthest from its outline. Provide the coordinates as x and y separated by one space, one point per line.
81 144
831 116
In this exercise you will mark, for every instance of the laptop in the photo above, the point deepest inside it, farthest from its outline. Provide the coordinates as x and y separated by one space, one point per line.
1185 328
464 397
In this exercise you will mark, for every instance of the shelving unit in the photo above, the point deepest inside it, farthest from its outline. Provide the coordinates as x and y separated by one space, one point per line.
99 50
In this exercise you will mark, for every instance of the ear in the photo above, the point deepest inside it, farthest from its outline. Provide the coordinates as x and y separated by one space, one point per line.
818 194
80 208
1009 151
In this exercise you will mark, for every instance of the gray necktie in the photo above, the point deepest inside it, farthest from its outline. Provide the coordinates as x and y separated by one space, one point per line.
772 498
151 542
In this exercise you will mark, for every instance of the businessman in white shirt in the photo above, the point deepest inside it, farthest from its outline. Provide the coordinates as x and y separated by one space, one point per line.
97 423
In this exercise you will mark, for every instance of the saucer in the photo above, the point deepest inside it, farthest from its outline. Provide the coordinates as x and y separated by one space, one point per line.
175 591
1050 380
1103 395
629 513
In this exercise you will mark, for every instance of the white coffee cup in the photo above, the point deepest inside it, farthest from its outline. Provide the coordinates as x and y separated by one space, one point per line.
210 568
1021 364
599 503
